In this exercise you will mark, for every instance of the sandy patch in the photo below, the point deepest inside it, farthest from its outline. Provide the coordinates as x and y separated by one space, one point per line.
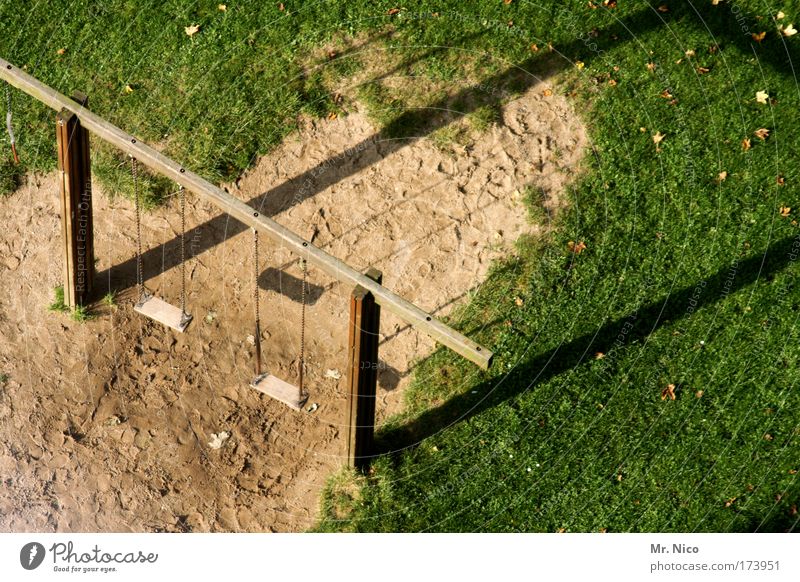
106 425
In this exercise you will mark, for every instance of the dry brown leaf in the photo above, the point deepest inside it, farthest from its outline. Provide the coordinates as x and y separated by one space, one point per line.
789 30
785 211
703 70
730 502
746 144
547 92
762 97
768 437
192 30
698 394
690 53
393 11
668 392
61 51
762 133
612 82
535 48
651 66
222 8
663 8
507 1
576 248
599 355
665 94
281 7
722 176
780 180
658 137
758 37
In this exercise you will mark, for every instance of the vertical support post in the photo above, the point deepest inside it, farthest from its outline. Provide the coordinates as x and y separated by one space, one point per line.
77 227
362 372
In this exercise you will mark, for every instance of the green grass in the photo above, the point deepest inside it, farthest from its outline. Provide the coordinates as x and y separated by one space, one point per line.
685 280
110 299
58 303
80 314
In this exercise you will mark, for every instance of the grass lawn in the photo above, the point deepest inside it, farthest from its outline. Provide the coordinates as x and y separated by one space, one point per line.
687 286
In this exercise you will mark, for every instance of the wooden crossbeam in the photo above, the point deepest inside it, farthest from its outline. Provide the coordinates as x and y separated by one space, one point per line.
234 207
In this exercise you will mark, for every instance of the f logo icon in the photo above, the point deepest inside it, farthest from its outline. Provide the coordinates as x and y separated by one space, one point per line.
31 555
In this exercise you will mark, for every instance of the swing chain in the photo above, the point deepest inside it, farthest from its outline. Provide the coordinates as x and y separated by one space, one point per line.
182 193
9 126
139 275
303 325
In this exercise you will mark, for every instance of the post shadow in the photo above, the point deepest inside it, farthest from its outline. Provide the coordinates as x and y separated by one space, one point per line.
542 367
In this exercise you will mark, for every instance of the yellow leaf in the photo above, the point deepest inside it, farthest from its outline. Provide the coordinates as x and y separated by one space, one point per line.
785 211
599 356
762 97
192 30
745 144
576 248
722 176
758 37
762 133
651 66
518 301
579 64
547 92
222 7
61 51
668 392
128 89
789 30
779 16
535 48
690 53
658 137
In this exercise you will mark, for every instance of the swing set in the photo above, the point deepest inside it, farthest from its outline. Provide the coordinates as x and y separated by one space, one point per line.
74 121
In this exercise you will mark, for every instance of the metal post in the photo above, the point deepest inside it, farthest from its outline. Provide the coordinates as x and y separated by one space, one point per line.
362 372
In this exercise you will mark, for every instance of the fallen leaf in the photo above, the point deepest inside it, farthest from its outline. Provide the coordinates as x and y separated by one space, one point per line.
192 30
785 211
547 92
792 471
762 97
789 30
576 248
333 374
218 439
665 94
698 394
768 437
690 53
703 70
518 301
651 66
507 1
745 144
780 180
128 89
793 510
599 356
658 137
222 7
668 392
730 502
762 133
535 48
722 176
612 82
281 7
332 115
780 15
393 11
663 8
758 37
61 51
579 64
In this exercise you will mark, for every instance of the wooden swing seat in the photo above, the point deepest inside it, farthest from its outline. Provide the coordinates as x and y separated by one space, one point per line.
276 388
162 312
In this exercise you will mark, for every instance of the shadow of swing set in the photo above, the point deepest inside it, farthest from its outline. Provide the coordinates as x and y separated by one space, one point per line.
73 122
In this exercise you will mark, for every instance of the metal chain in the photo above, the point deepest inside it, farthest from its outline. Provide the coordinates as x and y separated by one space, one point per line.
9 126
255 277
303 325
139 276
182 193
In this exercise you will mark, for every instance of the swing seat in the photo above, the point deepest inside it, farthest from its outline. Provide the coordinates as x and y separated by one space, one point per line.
276 388
164 313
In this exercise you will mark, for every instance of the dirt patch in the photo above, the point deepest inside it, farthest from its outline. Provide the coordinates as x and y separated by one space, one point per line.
106 425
